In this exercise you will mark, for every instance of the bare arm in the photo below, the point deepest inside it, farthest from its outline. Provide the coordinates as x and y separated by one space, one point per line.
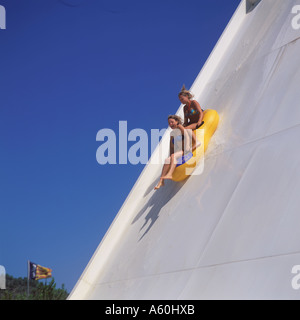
187 136
171 145
186 120
197 106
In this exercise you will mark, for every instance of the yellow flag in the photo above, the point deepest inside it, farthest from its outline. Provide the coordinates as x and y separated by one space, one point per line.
38 272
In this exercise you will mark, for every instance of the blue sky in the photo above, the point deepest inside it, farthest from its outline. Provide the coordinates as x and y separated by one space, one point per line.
69 68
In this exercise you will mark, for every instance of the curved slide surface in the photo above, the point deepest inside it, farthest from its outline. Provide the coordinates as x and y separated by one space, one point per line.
231 232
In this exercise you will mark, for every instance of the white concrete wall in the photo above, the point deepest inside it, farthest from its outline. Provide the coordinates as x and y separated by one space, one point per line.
233 231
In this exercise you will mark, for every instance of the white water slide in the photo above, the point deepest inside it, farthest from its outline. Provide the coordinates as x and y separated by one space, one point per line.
233 231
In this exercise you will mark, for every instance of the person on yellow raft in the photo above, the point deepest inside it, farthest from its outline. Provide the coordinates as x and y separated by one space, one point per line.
193 114
180 137
193 119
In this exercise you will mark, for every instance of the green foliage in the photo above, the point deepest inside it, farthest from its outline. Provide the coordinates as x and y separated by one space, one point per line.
16 289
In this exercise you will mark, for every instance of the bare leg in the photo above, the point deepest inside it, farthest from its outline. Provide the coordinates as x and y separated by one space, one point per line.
195 142
165 169
192 126
160 184
174 159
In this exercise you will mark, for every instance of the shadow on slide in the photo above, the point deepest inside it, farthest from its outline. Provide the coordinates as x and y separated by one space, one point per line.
156 202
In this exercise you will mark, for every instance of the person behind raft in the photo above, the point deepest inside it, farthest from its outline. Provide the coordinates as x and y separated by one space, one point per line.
193 114
179 144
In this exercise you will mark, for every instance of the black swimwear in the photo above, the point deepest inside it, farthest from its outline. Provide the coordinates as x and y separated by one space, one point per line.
201 124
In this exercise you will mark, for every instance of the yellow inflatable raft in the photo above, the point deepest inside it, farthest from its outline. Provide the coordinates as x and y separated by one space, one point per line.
203 134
